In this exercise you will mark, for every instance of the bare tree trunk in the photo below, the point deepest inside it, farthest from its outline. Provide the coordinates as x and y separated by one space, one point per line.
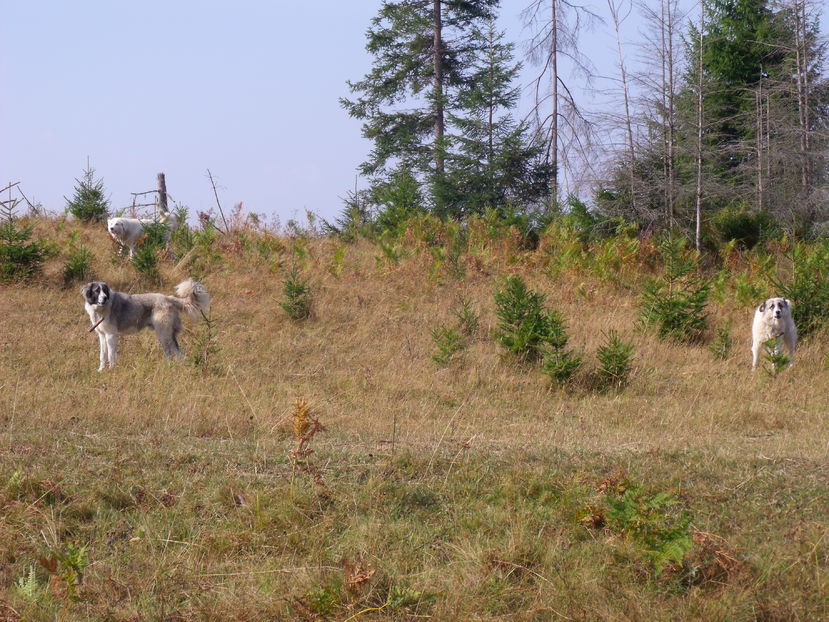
668 99
802 69
614 12
438 86
554 85
760 131
162 194
700 101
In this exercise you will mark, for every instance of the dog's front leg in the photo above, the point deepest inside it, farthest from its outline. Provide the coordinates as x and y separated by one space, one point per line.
112 349
755 354
102 345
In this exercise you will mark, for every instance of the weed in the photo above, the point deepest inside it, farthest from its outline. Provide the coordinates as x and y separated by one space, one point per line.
336 266
305 427
66 568
652 523
29 587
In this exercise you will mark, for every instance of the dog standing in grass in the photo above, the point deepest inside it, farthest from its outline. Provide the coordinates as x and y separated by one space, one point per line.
117 313
772 319
128 232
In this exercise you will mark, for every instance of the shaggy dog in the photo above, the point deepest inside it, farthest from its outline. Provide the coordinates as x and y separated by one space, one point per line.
127 231
772 319
117 313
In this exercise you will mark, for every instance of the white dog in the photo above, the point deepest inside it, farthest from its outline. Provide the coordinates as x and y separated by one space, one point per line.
117 313
772 319
128 231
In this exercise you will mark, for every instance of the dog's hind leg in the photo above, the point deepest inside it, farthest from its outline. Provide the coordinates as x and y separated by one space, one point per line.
167 338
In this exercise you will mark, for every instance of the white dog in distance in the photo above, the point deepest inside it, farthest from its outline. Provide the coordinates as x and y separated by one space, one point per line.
128 232
117 313
772 319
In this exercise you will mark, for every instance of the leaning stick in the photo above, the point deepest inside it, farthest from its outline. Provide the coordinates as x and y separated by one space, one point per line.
97 324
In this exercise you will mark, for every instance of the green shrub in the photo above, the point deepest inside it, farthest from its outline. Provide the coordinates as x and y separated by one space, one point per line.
808 287
298 296
614 361
78 265
20 258
88 204
676 303
468 320
738 224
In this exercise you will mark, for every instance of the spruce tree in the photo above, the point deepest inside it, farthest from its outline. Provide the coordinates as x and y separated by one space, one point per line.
494 160
421 50
89 204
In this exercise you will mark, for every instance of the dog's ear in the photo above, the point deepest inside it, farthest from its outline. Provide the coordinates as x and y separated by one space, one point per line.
788 302
105 289
762 307
85 289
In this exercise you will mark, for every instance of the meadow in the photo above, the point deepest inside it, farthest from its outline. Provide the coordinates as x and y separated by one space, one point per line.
330 469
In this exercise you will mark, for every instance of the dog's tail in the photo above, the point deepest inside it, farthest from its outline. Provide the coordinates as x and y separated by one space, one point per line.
194 297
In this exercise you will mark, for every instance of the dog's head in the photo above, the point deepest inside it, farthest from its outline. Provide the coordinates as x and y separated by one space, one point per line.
775 308
97 293
116 227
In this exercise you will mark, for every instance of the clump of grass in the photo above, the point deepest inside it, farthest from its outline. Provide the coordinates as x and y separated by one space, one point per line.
298 296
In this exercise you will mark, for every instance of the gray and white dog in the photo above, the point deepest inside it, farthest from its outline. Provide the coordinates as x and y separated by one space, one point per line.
117 313
772 319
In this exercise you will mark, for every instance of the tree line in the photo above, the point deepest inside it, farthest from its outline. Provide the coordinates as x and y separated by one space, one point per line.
726 120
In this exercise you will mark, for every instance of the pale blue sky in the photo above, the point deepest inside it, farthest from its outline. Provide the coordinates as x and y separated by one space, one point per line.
247 89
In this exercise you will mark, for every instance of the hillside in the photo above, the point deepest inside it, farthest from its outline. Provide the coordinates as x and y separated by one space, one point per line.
474 490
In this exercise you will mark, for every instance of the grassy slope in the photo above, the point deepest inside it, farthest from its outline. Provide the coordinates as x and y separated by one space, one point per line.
455 493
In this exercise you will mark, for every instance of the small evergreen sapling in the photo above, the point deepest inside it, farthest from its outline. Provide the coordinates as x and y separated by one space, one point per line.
614 361
298 297
88 204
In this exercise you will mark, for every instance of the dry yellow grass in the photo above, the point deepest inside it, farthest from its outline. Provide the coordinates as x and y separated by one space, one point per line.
364 364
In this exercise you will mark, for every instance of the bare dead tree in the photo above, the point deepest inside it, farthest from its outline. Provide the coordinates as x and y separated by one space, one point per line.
566 129
614 6
700 120
218 203
661 47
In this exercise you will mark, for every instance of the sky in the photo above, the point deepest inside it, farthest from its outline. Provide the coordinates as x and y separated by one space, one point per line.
247 89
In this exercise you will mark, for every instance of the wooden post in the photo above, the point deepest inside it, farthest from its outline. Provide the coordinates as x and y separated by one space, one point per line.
162 194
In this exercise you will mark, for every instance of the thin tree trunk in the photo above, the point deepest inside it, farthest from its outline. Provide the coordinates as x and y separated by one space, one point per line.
760 144
626 95
670 111
700 101
554 85
438 86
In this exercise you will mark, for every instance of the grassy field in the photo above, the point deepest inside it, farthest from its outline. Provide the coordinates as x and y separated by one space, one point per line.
477 490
